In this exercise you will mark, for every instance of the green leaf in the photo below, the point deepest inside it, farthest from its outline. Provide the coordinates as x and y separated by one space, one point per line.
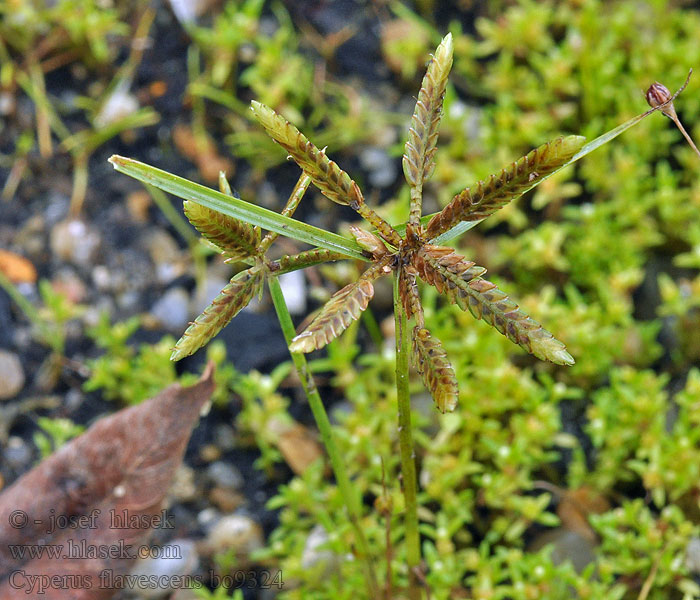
236 208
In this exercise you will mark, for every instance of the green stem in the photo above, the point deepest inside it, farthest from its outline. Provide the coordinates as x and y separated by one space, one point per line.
294 199
408 465
351 498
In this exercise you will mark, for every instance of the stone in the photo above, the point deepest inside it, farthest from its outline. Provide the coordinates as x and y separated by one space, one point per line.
11 375
172 309
75 241
236 532
177 558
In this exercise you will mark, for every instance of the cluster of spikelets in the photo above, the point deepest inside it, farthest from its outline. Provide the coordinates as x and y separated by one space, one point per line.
410 256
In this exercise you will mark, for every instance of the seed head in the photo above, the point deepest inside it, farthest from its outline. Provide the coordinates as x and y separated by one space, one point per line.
657 94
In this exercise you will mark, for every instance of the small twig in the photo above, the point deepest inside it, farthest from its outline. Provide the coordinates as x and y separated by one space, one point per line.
649 581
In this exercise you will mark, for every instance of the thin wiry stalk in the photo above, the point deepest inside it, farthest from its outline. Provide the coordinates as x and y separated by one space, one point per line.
408 465
295 197
349 494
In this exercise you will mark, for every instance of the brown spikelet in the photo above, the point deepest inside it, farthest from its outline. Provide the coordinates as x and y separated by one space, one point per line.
443 268
344 307
235 238
435 369
307 258
326 175
422 135
369 242
486 197
230 301
487 302
408 292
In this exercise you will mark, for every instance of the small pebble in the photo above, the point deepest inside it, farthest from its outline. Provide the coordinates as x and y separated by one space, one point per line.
225 475
692 556
239 533
171 310
76 242
226 499
314 555
11 375
175 559
294 290
183 488
17 454
382 168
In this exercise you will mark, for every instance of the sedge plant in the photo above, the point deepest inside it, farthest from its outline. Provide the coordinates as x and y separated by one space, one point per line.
412 252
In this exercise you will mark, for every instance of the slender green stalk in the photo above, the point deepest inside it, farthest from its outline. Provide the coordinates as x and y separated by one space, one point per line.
294 199
349 494
408 465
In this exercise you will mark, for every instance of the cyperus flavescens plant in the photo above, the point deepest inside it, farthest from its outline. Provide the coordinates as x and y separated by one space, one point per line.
412 251
415 254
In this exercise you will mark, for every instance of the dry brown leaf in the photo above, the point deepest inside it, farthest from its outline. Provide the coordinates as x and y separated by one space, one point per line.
297 444
576 505
121 467
202 152
17 268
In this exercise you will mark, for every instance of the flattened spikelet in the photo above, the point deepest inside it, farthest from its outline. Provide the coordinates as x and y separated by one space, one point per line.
344 307
485 301
234 297
235 238
369 242
486 197
435 369
443 268
326 175
421 144
408 292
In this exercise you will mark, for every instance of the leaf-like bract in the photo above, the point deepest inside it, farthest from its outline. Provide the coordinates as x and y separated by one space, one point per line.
486 197
235 296
235 238
344 307
421 144
435 369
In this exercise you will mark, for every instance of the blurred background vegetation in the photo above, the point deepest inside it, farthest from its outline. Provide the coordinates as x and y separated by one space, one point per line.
546 482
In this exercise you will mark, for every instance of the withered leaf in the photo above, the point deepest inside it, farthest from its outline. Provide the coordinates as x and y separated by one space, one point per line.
438 375
344 307
235 238
486 197
231 300
120 468
576 505
422 135
296 443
